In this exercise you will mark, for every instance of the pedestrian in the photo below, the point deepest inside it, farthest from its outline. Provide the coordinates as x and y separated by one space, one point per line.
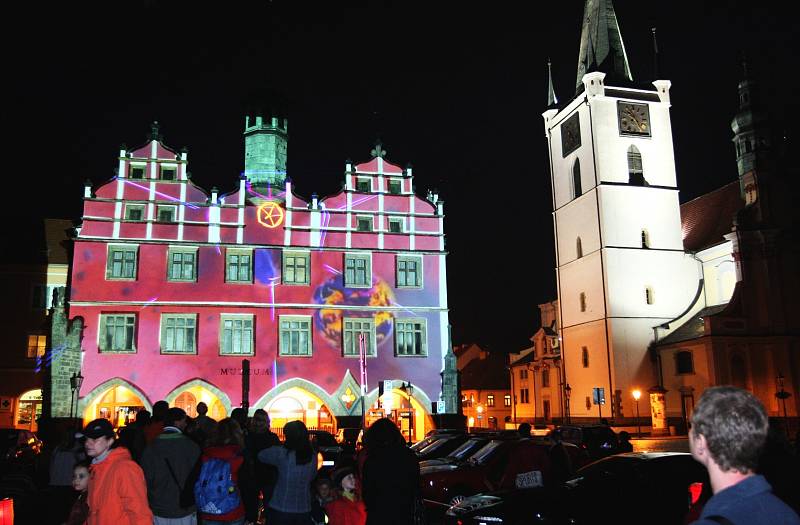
323 494
296 461
80 484
167 463
624 442
65 456
524 430
259 438
728 432
347 508
154 428
132 436
203 425
389 499
239 415
117 491
561 464
218 491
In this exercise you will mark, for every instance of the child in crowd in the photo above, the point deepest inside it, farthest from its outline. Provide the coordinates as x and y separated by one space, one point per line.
80 482
347 509
323 494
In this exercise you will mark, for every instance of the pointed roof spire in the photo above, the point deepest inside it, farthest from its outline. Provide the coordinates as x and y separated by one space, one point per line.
656 68
552 100
601 44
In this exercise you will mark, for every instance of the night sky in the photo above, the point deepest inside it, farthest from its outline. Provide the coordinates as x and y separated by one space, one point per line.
456 89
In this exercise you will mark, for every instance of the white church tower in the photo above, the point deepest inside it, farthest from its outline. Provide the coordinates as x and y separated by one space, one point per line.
620 265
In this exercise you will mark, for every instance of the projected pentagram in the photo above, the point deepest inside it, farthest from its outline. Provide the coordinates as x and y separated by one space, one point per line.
270 214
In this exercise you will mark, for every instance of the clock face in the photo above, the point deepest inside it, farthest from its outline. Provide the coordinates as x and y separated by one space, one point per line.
634 119
570 135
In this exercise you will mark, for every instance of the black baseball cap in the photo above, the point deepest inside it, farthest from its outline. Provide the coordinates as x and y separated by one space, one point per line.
99 428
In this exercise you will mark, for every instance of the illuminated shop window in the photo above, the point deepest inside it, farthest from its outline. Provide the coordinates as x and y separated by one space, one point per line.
236 335
410 336
168 173
117 332
295 338
238 266
353 328
182 265
178 333
490 400
296 267
364 224
358 270
137 172
507 400
121 262
585 357
364 184
37 344
395 186
134 212
409 272
167 213
396 225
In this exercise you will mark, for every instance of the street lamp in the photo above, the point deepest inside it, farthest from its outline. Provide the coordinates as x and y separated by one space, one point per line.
408 389
567 392
783 395
75 382
636 395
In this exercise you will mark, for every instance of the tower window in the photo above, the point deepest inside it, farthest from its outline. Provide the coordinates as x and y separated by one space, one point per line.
576 179
645 239
168 173
136 172
648 295
585 357
684 363
583 302
579 248
635 171
364 185
364 224
395 186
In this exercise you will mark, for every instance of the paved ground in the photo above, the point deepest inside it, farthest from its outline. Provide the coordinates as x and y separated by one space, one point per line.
670 444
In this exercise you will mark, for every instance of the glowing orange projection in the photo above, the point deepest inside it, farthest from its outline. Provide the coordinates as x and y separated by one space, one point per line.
270 214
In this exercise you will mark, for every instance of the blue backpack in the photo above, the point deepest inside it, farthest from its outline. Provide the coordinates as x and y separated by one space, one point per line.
215 492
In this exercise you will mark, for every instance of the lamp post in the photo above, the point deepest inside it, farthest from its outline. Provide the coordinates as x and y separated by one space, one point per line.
75 382
408 389
636 395
567 392
783 395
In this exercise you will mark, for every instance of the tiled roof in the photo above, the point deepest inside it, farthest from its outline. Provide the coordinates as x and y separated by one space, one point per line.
525 360
486 374
707 218
693 328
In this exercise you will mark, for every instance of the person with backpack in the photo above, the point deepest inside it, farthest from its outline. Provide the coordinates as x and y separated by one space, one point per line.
296 462
216 492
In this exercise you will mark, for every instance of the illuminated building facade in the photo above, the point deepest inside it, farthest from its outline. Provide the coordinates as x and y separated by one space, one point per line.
485 394
174 286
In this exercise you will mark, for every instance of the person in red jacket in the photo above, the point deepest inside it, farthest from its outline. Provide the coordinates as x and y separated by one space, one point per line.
347 509
117 491
227 444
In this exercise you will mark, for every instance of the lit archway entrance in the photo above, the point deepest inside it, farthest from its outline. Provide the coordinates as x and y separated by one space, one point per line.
29 408
188 403
190 394
301 405
118 404
406 411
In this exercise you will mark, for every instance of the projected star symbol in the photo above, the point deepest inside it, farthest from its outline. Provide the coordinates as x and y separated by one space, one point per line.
270 214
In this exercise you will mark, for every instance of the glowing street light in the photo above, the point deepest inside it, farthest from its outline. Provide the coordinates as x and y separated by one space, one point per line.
636 395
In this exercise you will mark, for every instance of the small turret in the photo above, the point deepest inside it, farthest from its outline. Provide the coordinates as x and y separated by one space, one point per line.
265 145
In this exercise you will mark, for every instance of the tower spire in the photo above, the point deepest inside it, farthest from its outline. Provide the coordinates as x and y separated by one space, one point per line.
656 68
601 47
552 100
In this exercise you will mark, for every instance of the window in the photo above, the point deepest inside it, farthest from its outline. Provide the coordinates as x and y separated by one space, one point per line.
523 374
295 335
167 213
409 272
353 328
178 333
364 224
576 179
683 362
635 172
648 295
395 225
410 337
42 296
357 270
578 248
236 335
134 212
136 172
296 267
645 239
545 377
238 266
490 400
583 302
168 173
121 262
523 395
37 344
507 400
181 265
117 333
363 185
585 357
395 186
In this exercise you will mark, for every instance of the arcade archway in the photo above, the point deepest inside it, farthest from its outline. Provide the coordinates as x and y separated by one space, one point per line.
299 404
118 404
188 395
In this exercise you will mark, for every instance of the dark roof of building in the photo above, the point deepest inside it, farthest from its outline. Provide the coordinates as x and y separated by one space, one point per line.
694 327
486 374
56 237
525 360
706 219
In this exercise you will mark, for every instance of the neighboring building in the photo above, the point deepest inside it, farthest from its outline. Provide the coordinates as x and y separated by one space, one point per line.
173 287
39 266
485 393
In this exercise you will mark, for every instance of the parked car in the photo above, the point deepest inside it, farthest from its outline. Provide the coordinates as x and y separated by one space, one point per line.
540 430
443 446
599 441
462 453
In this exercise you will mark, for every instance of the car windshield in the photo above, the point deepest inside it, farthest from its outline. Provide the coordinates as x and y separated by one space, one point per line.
481 456
433 446
466 449
419 445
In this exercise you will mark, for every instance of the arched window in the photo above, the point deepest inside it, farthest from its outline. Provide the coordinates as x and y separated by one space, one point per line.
579 248
576 179
645 239
635 171
648 295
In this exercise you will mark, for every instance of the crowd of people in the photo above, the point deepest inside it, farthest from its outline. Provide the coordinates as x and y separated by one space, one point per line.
171 469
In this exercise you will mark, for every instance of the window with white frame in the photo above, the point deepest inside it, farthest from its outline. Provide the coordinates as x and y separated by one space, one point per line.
507 400
523 396
410 337
117 333
178 333
409 271
396 225
296 267
236 334
37 346
169 173
490 400
353 328
295 335
137 172
357 270
238 266
182 264
395 186
523 373
364 223
121 262
364 184
167 213
134 212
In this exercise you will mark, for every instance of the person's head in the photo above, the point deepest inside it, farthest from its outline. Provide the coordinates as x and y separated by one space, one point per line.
240 415
160 409
729 428
99 437
260 422
383 433
624 436
227 432
524 429
345 479
142 417
296 439
80 476
202 409
176 417
323 488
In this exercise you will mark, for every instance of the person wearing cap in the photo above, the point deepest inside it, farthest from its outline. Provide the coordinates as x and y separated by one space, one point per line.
347 509
117 491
